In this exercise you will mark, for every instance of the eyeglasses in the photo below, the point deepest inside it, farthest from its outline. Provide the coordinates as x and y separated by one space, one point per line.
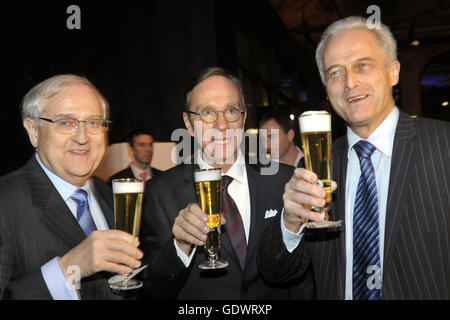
69 125
209 115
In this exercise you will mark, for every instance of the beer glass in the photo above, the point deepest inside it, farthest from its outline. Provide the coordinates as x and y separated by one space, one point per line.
315 127
128 195
208 187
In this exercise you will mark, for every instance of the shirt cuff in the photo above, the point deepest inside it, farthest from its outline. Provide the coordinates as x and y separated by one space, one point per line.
290 239
183 257
56 282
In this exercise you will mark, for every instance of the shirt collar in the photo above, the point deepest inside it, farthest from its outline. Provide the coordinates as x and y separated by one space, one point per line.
64 188
237 170
382 138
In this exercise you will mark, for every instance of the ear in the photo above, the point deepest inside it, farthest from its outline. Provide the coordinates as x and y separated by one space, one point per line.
395 72
32 130
188 123
291 135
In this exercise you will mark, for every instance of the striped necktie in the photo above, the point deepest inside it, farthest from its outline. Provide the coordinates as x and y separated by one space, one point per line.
84 216
234 226
366 250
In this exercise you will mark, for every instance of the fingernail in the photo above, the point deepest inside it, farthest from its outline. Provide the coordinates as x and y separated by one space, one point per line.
206 229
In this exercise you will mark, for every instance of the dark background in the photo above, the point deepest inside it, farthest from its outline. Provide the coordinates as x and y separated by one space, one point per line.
140 54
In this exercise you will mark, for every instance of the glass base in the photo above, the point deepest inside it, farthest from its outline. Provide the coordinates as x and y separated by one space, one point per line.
131 284
213 264
326 224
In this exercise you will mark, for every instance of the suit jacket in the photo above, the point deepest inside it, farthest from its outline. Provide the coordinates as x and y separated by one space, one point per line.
168 278
417 231
40 227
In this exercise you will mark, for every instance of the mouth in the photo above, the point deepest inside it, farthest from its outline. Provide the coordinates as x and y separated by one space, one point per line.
79 152
219 142
356 99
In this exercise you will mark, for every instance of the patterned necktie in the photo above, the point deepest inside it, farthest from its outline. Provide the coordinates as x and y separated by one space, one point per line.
366 250
143 176
84 216
234 226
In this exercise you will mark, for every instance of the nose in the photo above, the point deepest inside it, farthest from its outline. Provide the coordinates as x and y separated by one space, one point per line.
221 123
80 135
351 80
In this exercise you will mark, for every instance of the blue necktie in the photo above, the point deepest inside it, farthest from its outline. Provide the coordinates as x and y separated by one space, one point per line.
366 250
84 216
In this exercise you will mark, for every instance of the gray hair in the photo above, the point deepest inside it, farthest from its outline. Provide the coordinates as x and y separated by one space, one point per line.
382 33
35 100
205 74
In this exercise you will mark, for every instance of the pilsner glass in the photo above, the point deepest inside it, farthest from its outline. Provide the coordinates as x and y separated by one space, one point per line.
315 127
208 185
128 194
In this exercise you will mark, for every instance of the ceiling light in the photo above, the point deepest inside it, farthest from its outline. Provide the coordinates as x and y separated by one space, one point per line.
415 43
445 103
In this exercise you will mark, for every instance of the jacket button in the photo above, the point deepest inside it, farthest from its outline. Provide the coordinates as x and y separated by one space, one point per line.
278 257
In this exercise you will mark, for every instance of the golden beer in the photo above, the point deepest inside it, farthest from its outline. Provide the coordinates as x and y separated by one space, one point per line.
315 127
208 188
128 194
209 200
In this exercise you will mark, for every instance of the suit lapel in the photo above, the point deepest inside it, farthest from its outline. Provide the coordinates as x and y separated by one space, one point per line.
401 162
53 211
340 151
105 204
255 219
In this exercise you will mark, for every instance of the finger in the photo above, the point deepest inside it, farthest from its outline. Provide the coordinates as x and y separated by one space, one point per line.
195 217
118 257
333 186
124 247
112 235
303 174
296 212
181 234
308 188
305 198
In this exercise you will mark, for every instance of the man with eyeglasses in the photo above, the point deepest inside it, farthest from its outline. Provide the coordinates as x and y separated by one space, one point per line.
173 225
56 216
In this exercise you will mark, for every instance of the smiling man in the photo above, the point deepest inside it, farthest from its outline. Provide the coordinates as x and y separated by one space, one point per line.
392 177
56 215
174 227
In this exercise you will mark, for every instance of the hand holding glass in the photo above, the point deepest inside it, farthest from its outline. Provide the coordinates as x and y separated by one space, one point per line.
128 194
315 127
208 187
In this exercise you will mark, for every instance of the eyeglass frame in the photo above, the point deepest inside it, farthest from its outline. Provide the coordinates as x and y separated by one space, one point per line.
217 114
54 121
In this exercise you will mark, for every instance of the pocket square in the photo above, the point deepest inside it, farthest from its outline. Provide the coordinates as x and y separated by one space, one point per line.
270 213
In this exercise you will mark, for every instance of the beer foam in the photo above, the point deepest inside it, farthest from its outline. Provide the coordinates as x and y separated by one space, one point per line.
207 175
128 187
313 121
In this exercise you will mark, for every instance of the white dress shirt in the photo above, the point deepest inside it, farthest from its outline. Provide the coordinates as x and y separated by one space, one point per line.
51 272
238 190
383 139
138 171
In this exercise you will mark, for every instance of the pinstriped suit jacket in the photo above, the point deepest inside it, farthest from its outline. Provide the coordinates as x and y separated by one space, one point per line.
39 226
417 231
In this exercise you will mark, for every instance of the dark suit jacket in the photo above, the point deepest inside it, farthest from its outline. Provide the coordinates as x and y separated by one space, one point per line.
168 278
40 227
417 232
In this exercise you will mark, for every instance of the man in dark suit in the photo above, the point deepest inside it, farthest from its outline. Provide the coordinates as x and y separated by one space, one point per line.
393 178
56 216
173 225
141 142
279 124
